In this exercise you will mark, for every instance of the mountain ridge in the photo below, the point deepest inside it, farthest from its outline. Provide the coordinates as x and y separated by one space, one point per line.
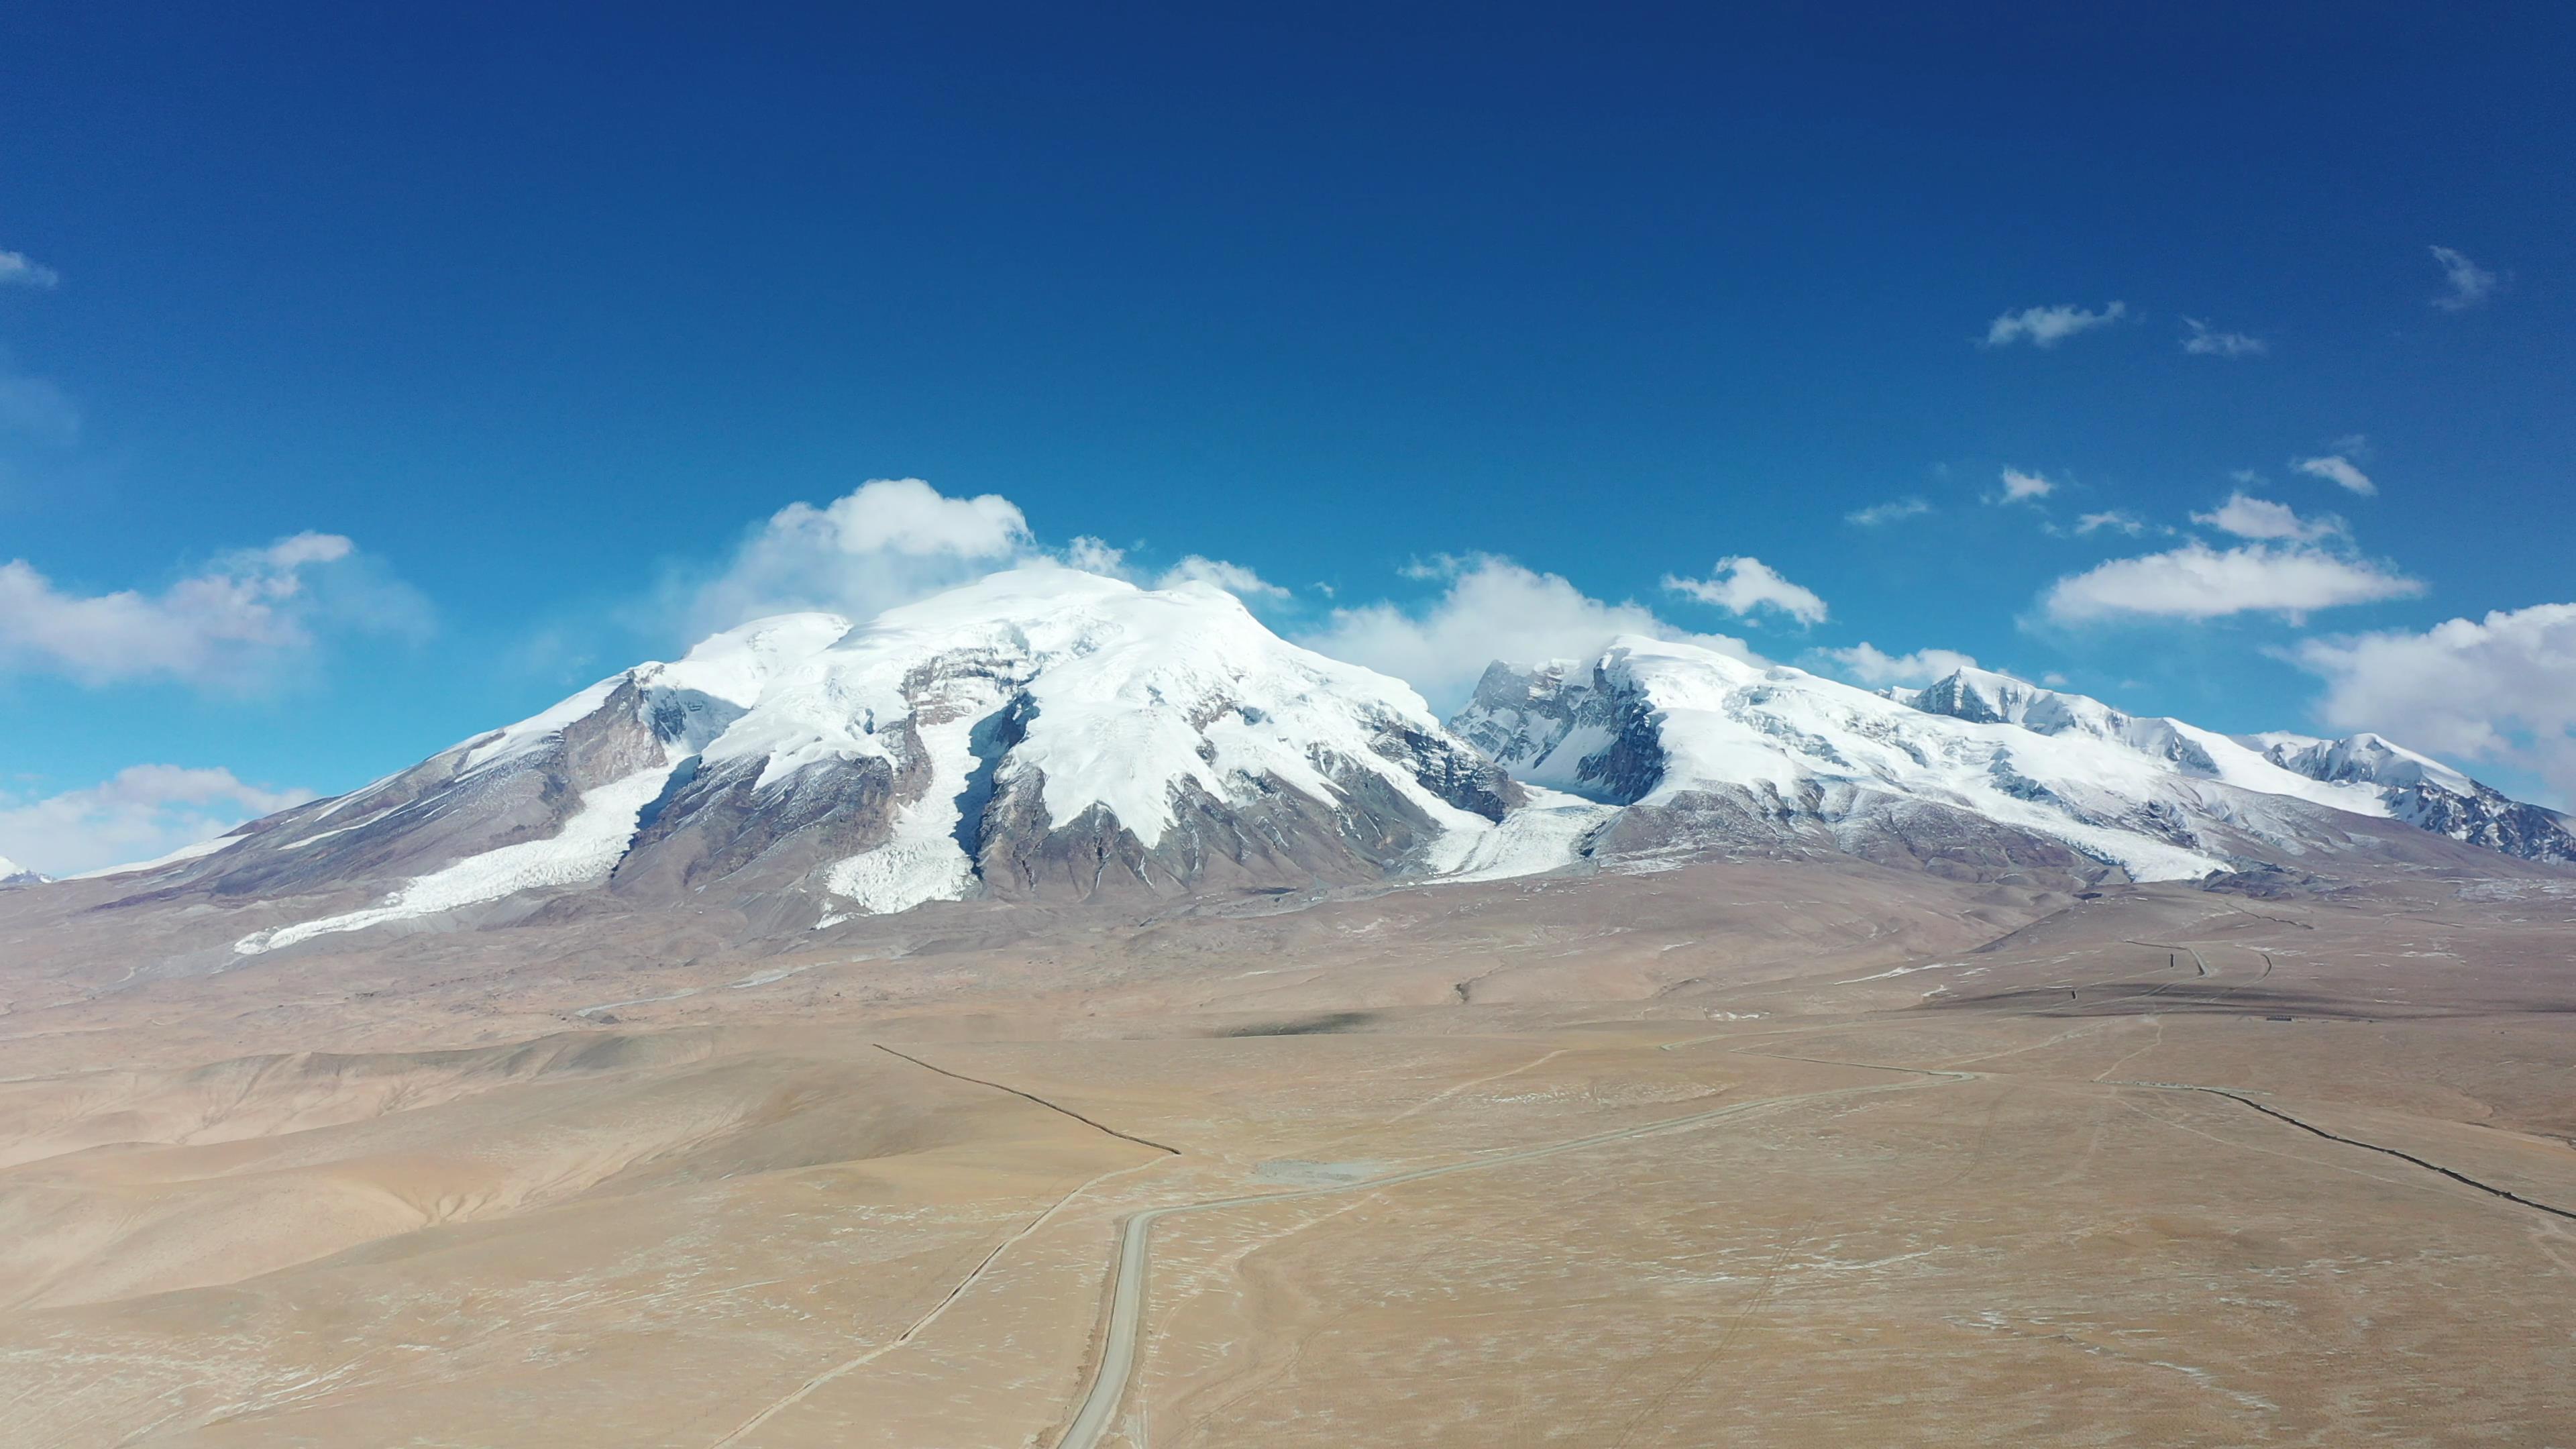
1051 735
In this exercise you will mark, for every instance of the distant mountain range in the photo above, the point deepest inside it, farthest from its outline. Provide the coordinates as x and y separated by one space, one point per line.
1704 750
1053 735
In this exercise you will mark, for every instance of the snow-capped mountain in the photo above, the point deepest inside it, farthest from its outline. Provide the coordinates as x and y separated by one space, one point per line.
2426 793
1043 734
1048 734
1702 749
12 873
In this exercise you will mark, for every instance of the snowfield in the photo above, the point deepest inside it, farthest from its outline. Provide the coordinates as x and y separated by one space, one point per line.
588 846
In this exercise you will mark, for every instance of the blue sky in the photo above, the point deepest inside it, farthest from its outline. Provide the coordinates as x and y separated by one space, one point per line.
546 317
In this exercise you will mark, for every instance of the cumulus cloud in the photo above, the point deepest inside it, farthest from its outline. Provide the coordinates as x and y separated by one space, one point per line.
2049 326
1493 609
2337 469
2470 284
2199 582
1742 585
1234 578
2202 340
2021 487
887 542
2501 688
1892 511
2249 517
230 625
143 812
17 269
891 541
1866 663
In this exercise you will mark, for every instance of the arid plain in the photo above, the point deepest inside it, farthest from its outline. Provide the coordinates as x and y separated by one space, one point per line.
1735 1153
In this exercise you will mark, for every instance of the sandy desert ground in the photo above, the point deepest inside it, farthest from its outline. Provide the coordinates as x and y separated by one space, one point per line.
1746 1154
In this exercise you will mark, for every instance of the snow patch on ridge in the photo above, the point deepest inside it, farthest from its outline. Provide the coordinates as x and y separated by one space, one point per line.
185 852
1544 835
923 862
587 847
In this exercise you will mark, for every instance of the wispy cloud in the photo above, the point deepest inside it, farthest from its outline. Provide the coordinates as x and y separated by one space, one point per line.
1492 609
143 812
2048 326
1095 556
1892 511
2337 469
1743 585
32 408
1234 578
17 269
2196 581
2260 518
1866 663
2203 340
229 625
2470 284
2114 520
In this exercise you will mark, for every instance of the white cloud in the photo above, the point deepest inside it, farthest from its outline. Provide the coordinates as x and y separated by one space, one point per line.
1743 585
145 811
908 516
1235 579
2202 341
2021 487
17 269
2116 520
1492 609
2048 326
893 540
887 542
1866 663
230 625
2199 582
2249 517
2470 283
2338 470
2502 688
1888 512
1093 556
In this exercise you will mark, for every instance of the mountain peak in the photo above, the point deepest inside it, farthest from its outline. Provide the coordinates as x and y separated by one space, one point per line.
1043 732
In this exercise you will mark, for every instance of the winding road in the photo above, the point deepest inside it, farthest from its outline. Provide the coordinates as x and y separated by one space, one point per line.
1136 1239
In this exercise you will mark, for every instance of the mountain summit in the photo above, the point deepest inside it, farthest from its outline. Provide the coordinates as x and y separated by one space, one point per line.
1042 734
